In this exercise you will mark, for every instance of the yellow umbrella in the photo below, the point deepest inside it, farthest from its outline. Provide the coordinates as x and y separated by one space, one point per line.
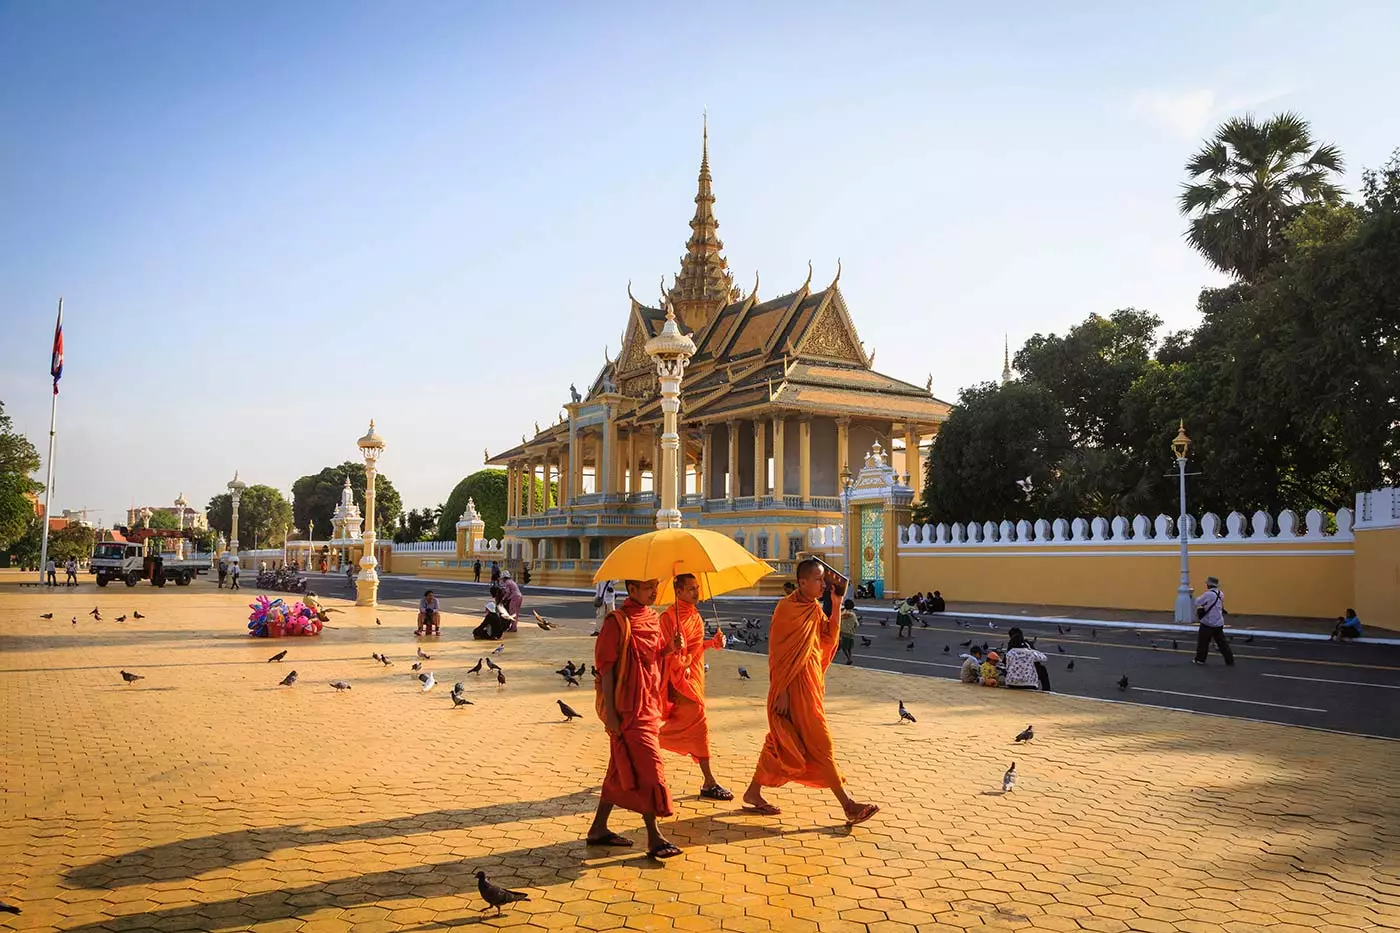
719 562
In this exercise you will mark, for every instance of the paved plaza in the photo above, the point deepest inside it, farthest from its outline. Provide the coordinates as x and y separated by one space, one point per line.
206 797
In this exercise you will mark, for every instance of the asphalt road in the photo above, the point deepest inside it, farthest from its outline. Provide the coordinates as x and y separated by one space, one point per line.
1346 688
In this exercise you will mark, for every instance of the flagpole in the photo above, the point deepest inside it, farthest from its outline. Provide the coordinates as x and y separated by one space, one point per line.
48 483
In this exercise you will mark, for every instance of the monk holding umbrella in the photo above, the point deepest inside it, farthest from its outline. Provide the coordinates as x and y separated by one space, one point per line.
801 644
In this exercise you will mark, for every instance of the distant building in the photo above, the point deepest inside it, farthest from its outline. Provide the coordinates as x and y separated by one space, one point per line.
195 519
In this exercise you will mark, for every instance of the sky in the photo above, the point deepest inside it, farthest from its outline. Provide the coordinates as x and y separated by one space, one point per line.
273 221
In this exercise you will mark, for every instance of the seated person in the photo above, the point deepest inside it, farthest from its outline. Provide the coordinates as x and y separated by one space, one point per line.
1348 626
971 671
936 603
429 615
314 604
991 677
494 625
1021 666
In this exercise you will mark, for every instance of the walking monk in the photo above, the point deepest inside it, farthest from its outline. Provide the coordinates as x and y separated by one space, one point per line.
630 656
801 644
687 730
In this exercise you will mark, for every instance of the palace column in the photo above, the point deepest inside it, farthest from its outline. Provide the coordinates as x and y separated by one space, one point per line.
705 450
566 478
529 485
912 466
657 480
778 423
609 482
547 468
510 488
680 467
804 459
574 461
843 448
733 471
760 460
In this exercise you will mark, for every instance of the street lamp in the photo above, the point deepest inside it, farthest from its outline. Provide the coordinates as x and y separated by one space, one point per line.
1185 605
181 504
671 351
367 585
235 492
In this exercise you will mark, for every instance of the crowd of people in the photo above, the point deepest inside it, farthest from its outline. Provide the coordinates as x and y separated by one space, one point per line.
1020 666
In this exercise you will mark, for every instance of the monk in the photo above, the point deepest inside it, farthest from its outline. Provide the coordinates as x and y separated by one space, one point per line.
686 730
801 644
630 656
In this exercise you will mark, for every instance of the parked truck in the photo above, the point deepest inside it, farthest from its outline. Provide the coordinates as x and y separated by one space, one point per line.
136 560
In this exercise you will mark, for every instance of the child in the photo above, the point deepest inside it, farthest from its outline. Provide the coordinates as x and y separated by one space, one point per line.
991 677
849 623
971 672
904 615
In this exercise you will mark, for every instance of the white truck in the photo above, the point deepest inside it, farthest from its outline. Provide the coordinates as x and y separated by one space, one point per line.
128 561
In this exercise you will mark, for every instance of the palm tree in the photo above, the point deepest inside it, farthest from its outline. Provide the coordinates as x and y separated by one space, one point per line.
1258 177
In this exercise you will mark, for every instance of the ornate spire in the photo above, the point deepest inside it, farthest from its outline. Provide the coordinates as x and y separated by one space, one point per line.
1005 360
704 284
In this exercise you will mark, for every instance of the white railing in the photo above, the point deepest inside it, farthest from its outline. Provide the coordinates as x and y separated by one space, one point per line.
1140 530
489 548
424 547
825 536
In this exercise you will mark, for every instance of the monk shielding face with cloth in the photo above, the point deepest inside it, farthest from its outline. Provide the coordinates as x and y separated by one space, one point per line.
687 728
801 644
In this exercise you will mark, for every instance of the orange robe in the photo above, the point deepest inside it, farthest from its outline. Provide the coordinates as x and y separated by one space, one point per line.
631 640
686 730
801 643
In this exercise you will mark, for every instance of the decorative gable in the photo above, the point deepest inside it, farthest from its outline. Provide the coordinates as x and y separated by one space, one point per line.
830 336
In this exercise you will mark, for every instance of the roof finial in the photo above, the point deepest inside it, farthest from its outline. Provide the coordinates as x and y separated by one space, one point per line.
1005 360
807 284
629 292
705 139
754 294
838 273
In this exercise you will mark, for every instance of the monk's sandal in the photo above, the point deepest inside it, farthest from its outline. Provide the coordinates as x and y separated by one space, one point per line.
715 792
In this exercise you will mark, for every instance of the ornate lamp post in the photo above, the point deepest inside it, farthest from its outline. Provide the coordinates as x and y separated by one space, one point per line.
367 584
310 540
235 491
181 504
671 351
1185 605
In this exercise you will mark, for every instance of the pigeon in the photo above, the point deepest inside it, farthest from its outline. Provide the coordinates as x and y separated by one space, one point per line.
8 909
477 668
47 615
1059 631
965 644
121 618
459 687
376 655
499 649
909 647
541 621
459 701
75 620
1249 640
744 673
1173 644
500 677
131 678
340 685
570 714
865 641
1094 632
1008 780
1069 666
593 670
1068 630
495 896
567 670
947 648
1026 734
96 614
429 681
492 664
135 614
376 621
1061 648
277 657
1123 682
571 680
417 666
424 655
904 714
288 680
384 659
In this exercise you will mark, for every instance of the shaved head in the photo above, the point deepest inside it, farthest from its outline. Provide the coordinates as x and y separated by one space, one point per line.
808 567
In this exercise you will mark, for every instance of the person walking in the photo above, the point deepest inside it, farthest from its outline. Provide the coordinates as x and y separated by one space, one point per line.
476 572
849 623
1210 612
233 576
686 730
223 573
604 600
70 570
51 570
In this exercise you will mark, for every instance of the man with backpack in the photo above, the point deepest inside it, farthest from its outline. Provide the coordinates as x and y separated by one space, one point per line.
1210 612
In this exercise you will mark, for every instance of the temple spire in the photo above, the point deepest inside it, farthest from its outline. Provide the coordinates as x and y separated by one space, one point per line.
704 284
1005 360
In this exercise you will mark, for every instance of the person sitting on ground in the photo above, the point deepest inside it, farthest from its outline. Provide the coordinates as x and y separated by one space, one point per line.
494 625
936 603
1022 667
429 615
314 604
971 671
991 677
849 623
1348 626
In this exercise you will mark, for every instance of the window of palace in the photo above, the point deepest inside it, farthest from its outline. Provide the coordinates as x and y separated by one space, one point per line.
794 546
739 537
762 546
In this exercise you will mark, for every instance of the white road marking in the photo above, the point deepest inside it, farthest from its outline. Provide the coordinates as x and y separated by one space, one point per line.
1324 680
885 657
1202 696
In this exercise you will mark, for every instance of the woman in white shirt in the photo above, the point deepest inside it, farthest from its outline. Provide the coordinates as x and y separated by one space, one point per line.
1020 667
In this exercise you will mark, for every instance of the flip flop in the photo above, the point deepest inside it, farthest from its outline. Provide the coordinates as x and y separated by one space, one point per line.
665 851
611 839
716 792
766 809
863 814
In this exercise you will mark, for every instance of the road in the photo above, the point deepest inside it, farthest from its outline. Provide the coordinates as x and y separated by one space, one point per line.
1345 688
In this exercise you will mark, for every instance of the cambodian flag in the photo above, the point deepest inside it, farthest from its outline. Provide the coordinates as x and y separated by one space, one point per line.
56 366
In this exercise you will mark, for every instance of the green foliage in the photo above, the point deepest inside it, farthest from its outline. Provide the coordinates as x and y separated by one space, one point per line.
263 515
1249 181
18 459
417 525
166 520
314 497
488 489
72 541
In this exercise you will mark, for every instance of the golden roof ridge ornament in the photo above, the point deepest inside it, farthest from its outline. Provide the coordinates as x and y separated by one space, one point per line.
807 284
838 273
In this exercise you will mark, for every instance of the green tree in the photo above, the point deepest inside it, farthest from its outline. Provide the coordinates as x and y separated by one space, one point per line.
1249 181
18 459
168 521
487 488
263 514
994 438
315 496
71 541
417 525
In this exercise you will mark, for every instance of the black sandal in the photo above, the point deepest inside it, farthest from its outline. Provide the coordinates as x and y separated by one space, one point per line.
664 851
611 839
715 792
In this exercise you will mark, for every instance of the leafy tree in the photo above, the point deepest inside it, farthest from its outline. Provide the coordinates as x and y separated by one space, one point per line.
1249 181
417 525
71 541
18 459
167 520
315 496
995 437
263 515
488 489
25 549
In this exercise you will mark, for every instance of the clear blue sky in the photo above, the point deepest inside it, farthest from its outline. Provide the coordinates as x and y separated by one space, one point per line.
273 221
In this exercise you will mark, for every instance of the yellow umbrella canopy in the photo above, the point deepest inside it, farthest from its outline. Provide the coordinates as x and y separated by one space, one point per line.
719 562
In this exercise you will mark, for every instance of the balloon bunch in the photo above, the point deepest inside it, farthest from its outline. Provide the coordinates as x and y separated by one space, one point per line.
273 618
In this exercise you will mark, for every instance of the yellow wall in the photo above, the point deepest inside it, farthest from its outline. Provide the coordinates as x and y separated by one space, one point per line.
1312 584
1377 598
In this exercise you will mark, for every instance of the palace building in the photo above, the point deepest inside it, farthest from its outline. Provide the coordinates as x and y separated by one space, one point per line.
780 399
